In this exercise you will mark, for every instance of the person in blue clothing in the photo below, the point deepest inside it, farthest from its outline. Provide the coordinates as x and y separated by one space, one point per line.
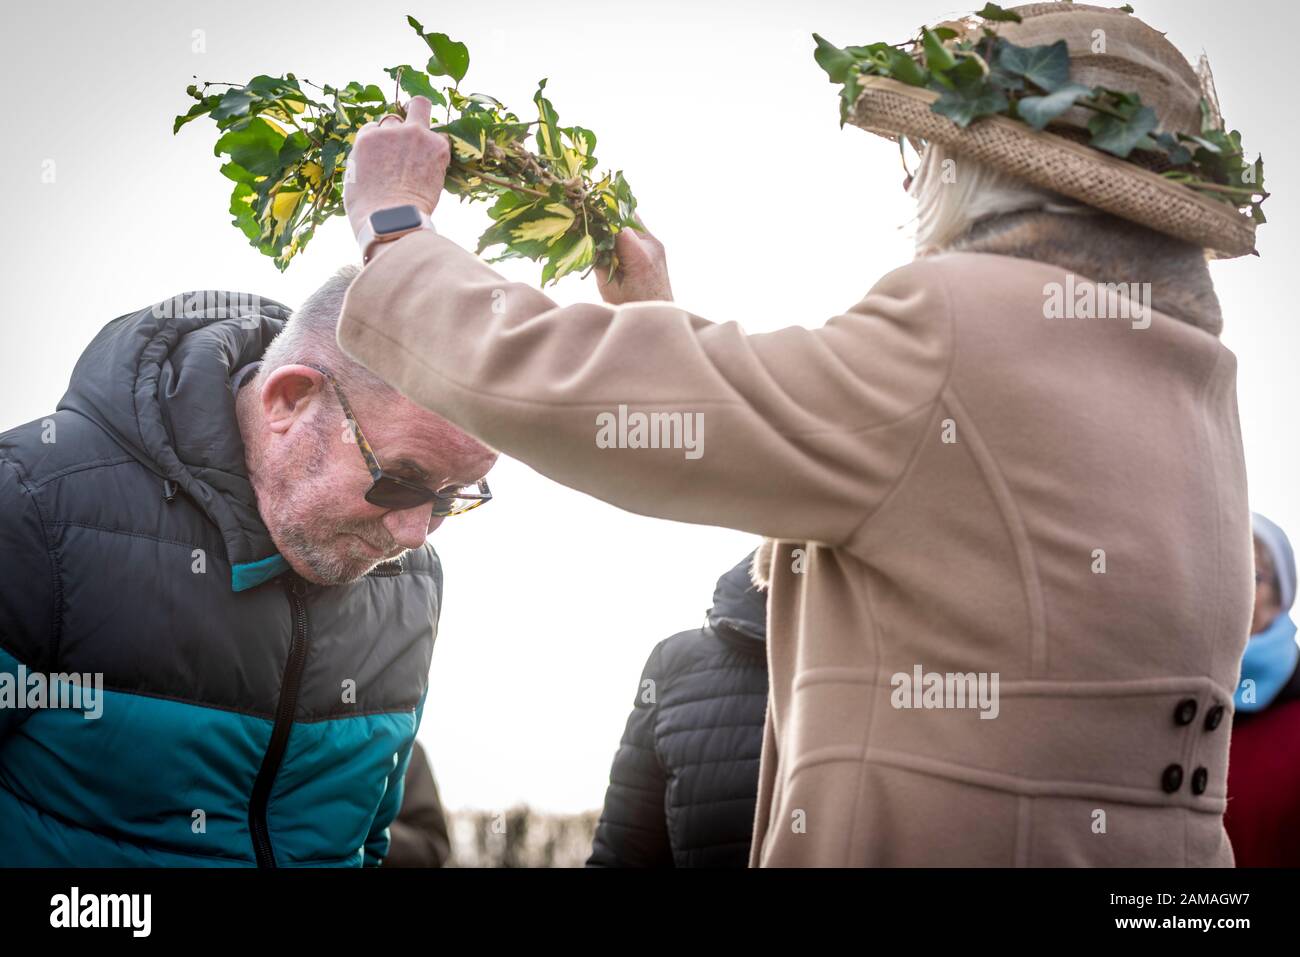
222 532
684 782
1263 814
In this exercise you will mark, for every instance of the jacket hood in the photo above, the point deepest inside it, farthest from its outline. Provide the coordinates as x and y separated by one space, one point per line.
158 381
1279 547
738 605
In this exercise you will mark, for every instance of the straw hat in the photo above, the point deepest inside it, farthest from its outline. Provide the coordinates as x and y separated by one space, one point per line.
1138 59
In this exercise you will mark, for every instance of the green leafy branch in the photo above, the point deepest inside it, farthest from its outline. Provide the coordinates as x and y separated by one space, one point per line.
287 142
978 74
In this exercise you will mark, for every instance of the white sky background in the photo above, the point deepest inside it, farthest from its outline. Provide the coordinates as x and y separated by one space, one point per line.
727 131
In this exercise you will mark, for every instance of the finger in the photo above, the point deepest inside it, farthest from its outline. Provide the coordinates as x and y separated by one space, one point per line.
643 233
390 116
445 151
418 111
630 248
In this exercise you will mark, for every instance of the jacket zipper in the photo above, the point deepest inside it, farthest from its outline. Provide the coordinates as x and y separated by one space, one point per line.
295 588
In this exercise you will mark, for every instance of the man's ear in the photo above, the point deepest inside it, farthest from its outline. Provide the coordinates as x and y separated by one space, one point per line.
288 393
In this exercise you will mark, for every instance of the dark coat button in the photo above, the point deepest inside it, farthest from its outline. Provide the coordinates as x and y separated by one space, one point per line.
1172 779
1185 713
1213 717
1200 778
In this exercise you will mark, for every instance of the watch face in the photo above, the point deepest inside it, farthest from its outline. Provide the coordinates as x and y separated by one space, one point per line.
395 220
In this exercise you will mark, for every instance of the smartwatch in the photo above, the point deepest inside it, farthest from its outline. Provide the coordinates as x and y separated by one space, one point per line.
385 225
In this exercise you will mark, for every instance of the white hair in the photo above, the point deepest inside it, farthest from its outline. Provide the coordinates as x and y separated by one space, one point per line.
953 193
309 337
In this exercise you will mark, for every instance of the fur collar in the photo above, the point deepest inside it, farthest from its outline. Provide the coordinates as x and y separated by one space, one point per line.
1107 249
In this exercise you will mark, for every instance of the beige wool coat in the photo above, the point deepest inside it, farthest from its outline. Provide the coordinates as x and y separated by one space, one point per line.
958 486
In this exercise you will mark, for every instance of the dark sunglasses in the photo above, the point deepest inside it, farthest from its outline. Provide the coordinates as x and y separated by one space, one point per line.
392 492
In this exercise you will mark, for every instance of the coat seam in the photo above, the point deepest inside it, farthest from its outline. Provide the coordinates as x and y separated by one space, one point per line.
270 716
121 531
84 467
1018 535
914 455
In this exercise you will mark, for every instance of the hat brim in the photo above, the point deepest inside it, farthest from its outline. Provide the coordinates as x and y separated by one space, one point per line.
892 109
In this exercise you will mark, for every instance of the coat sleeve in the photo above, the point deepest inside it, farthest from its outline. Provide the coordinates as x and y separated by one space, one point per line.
28 587
794 434
633 830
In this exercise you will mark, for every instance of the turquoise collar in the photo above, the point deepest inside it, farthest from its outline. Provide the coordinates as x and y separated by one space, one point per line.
251 574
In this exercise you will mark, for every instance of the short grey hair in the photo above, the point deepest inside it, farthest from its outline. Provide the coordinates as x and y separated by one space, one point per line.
946 210
309 337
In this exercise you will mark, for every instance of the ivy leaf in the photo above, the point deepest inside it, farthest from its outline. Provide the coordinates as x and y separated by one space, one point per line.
849 94
572 253
584 140
832 59
937 56
198 109
994 13
366 94
1047 67
626 201
450 58
234 102
1178 154
987 75
887 60
255 147
965 105
288 179
548 133
1119 135
1038 111
903 67
283 208
330 154
241 207
237 173
293 148
416 83
967 75
547 228
468 134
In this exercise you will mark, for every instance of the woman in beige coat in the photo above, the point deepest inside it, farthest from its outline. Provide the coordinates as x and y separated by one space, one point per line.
1009 555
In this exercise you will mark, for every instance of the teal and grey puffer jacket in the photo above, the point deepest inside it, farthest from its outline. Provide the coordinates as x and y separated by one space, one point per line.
247 716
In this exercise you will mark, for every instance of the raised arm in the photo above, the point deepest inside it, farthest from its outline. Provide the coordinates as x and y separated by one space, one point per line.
795 434
791 434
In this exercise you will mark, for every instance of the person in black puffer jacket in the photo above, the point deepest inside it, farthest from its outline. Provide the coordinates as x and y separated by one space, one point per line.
685 779
189 536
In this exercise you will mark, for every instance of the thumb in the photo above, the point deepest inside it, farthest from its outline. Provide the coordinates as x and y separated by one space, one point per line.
418 111
629 245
